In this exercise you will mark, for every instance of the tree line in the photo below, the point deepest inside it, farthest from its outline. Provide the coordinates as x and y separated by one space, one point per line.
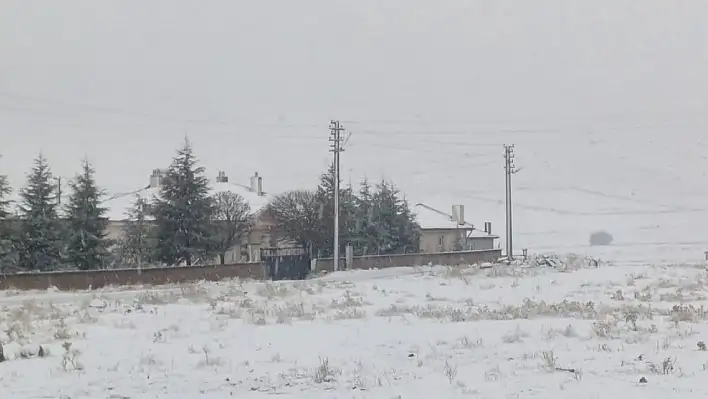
187 223
184 224
375 220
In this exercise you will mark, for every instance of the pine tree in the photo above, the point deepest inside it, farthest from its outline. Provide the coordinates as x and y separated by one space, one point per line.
385 205
183 212
5 191
408 229
347 213
87 246
8 242
137 247
365 234
393 222
41 244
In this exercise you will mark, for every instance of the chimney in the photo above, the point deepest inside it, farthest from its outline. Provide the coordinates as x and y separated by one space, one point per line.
156 178
257 184
488 228
221 177
458 214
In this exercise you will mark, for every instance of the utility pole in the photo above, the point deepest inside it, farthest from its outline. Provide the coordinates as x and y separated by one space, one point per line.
141 216
510 169
335 137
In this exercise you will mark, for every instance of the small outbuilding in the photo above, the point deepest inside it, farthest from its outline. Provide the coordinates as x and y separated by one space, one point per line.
443 232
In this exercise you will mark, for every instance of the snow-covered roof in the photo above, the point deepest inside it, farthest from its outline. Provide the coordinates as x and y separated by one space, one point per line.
430 218
257 202
118 205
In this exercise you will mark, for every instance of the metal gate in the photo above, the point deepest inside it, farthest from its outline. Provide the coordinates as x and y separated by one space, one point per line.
286 263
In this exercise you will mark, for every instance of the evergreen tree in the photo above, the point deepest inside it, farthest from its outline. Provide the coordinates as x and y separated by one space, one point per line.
183 212
5 191
365 234
347 213
137 247
8 242
394 224
232 220
41 245
408 229
87 246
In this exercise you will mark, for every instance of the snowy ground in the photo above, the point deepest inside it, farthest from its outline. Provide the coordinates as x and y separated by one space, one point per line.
516 332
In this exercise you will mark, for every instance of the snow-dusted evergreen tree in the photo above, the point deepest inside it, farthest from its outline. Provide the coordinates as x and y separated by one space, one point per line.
396 230
137 247
365 239
183 212
347 213
5 191
40 232
8 241
232 220
408 229
86 246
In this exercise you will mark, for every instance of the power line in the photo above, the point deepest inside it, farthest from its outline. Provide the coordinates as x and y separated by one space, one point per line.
461 127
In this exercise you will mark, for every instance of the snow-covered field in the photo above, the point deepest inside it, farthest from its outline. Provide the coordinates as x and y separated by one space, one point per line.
441 332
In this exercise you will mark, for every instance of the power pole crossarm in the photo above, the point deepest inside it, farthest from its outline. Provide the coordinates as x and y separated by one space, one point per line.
336 139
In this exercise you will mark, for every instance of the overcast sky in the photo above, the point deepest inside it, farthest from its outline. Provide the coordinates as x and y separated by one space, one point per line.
255 83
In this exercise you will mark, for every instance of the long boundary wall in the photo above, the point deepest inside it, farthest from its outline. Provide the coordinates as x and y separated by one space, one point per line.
83 280
416 259
86 280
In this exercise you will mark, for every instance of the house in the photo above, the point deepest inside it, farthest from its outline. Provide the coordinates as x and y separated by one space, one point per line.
262 233
442 232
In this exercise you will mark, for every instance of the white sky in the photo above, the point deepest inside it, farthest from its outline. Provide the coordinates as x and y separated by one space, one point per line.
255 83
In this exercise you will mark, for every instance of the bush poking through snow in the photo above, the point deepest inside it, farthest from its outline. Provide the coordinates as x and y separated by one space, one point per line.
349 314
665 368
549 360
29 351
271 291
450 371
70 358
208 359
2 354
62 330
324 373
517 336
631 319
604 328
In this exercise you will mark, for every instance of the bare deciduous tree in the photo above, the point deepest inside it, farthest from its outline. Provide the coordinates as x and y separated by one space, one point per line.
232 220
298 214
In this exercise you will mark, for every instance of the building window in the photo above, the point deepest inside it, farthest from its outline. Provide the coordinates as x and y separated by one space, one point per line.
441 240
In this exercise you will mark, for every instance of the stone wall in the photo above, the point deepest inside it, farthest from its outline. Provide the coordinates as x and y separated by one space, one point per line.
83 280
417 259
